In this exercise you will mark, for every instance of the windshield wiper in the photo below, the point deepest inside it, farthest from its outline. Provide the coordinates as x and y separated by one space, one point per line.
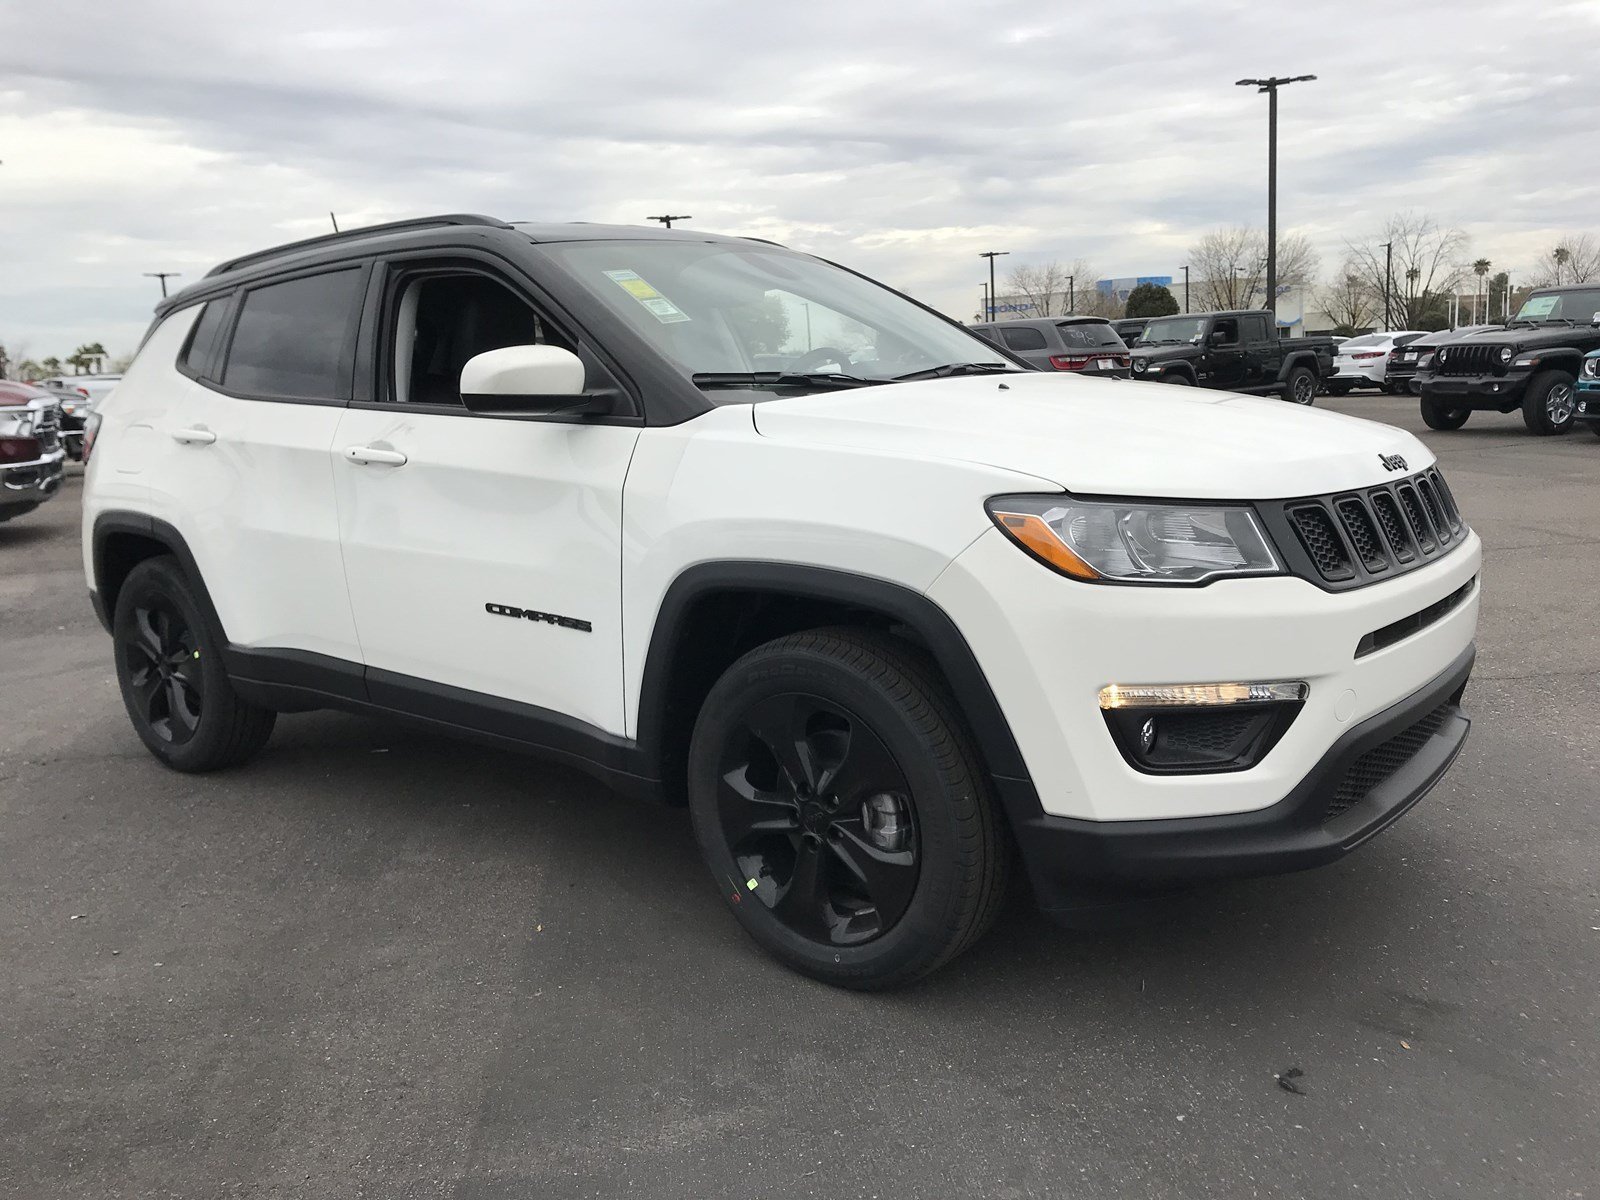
817 379
944 372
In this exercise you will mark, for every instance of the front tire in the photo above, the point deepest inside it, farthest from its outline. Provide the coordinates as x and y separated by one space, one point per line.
1301 386
842 811
173 682
1434 416
1177 377
1549 403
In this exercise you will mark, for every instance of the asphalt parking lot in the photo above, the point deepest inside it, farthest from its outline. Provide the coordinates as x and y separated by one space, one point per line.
374 963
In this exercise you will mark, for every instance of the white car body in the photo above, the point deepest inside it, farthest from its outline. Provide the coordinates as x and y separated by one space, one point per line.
1361 361
371 538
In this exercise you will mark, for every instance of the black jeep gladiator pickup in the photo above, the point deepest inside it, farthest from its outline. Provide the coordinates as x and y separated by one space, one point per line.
1233 351
1531 364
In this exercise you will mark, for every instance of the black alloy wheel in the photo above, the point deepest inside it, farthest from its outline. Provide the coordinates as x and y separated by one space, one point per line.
842 808
169 667
818 818
1302 387
162 664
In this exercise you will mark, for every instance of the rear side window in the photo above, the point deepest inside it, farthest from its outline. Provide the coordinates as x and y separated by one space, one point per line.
295 339
203 339
1024 337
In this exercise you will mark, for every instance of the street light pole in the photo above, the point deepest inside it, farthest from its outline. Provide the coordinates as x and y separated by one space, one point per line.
163 276
987 315
669 219
1186 288
1072 294
1270 86
1388 284
991 255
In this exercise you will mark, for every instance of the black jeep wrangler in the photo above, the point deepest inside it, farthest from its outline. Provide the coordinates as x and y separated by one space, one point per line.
1531 364
1234 351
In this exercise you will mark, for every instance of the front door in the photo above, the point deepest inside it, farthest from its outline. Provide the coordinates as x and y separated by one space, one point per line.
483 554
1225 353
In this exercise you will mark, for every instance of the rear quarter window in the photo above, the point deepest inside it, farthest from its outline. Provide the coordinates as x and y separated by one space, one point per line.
196 357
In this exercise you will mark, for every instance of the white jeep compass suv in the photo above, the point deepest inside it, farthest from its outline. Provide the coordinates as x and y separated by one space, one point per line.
732 526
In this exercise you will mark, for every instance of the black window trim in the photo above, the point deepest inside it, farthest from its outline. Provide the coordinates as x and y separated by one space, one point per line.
375 344
347 351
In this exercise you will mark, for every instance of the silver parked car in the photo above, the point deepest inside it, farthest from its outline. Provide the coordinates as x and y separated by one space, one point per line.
1062 344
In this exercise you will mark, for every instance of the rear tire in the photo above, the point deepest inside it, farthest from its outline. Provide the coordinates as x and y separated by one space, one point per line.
1434 416
173 682
842 810
1301 386
1549 403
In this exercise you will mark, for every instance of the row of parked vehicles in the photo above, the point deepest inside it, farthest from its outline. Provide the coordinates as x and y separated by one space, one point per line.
1544 362
41 426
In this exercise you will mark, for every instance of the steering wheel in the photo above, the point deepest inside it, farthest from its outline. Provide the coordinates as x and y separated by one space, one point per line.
813 359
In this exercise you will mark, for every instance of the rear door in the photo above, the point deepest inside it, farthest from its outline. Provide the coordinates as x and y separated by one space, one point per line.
1262 352
483 554
243 472
1027 342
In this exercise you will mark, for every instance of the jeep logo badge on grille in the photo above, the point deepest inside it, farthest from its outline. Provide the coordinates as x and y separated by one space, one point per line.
1392 462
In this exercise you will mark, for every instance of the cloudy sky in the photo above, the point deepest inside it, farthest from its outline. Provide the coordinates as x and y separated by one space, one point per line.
900 138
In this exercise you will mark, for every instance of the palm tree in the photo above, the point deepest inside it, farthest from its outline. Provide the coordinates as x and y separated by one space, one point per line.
97 352
1480 269
1414 274
51 365
1562 256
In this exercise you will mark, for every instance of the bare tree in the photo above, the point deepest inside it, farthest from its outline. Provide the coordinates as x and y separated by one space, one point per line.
1574 259
1350 301
1429 262
1229 267
1052 287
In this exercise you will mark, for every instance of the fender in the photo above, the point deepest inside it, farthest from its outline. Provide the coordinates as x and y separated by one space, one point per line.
1543 354
903 605
1180 368
1300 358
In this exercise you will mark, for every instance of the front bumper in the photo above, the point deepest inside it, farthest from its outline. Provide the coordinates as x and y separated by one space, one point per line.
1406 749
27 485
1480 392
1588 400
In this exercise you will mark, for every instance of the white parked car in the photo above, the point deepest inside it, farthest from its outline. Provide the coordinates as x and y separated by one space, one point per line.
885 616
1360 362
79 395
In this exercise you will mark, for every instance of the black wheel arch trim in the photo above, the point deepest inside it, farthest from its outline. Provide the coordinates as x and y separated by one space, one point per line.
902 605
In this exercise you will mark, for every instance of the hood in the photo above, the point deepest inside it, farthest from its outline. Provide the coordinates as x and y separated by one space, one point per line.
1104 436
1166 353
1531 336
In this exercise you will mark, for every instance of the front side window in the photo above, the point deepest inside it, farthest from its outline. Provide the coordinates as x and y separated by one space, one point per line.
294 339
725 308
442 320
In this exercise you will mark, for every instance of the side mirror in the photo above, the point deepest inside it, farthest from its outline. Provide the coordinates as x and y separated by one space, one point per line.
1217 337
521 381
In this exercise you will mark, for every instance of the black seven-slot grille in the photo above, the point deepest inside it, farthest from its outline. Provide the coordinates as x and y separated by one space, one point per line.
1350 539
1383 760
1468 360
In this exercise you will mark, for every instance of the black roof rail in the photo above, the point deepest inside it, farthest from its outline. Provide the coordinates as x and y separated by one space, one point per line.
350 234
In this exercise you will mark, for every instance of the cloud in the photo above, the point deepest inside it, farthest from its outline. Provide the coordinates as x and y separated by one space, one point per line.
899 139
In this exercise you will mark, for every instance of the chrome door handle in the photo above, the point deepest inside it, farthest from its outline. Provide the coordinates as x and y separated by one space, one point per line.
194 437
366 455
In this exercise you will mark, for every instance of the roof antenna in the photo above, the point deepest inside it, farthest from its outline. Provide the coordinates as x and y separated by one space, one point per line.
335 221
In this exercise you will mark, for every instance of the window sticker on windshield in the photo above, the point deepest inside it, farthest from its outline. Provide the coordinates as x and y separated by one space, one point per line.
1538 306
657 305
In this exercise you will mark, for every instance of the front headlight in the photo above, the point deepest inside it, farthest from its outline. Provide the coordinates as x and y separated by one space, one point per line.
1505 354
1591 367
69 408
1154 543
1139 365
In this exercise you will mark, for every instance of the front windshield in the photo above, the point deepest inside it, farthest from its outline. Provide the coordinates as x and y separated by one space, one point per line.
1174 329
720 308
1579 307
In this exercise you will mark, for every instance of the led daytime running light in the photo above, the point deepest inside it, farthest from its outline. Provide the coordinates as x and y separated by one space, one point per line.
1180 695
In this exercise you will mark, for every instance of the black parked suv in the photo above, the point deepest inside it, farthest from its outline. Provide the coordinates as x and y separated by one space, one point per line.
1531 364
1234 351
1400 373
